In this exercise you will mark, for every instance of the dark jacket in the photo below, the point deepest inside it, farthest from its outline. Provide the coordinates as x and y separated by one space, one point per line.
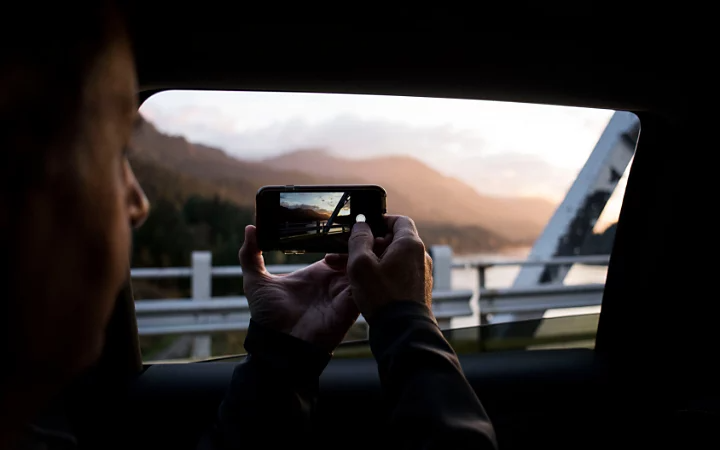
431 405
273 391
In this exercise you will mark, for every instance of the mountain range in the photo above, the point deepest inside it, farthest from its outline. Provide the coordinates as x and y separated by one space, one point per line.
416 190
301 214
450 210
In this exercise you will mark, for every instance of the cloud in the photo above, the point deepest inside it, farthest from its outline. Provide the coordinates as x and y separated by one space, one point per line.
515 174
201 124
346 135
486 165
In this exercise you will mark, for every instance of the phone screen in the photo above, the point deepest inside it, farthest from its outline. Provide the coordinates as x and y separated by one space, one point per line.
307 219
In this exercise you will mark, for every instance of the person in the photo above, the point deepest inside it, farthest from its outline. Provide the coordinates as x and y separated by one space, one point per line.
297 321
69 201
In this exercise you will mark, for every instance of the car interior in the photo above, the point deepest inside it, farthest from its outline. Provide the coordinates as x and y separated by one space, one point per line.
650 378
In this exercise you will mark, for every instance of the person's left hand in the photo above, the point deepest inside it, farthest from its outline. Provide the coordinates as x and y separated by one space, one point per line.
313 304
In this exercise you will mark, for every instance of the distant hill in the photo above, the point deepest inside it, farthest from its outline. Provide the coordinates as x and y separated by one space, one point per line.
301 214
446 210
426 195
236 179
159 182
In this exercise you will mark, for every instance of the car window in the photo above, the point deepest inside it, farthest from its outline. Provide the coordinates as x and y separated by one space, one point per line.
517 204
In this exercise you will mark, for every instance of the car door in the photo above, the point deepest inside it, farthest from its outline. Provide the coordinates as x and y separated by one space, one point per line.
623 390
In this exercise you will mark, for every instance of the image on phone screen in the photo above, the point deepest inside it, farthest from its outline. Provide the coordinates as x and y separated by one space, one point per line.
314 217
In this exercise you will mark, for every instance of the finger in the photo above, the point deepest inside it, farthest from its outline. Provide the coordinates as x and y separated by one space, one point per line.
395 223
360 251
390 221
337 284
381 244
405 240
361 240
345 307
403 226
336 261
250 256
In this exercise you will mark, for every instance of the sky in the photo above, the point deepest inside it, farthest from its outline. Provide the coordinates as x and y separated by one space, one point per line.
325 201
498 148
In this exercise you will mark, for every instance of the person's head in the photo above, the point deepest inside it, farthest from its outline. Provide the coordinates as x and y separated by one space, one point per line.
68 198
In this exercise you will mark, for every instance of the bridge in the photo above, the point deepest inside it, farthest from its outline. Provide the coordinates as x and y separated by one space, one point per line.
292 230
538 287
203 313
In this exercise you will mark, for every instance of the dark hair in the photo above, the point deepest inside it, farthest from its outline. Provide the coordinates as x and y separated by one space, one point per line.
42 76
47 57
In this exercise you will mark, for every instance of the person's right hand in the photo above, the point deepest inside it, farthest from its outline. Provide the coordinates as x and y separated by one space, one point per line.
388 269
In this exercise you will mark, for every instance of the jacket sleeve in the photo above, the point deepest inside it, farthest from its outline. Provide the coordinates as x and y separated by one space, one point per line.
271 395
431 404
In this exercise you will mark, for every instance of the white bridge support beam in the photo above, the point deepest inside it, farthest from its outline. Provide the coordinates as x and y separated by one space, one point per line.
574 219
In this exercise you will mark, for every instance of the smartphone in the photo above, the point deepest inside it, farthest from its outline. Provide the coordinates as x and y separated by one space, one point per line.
310 219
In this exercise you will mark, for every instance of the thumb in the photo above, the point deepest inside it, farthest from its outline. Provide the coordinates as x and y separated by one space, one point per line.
250 255
360 251
361 240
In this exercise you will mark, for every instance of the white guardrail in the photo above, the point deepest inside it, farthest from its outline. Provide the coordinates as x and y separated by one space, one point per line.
203 313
